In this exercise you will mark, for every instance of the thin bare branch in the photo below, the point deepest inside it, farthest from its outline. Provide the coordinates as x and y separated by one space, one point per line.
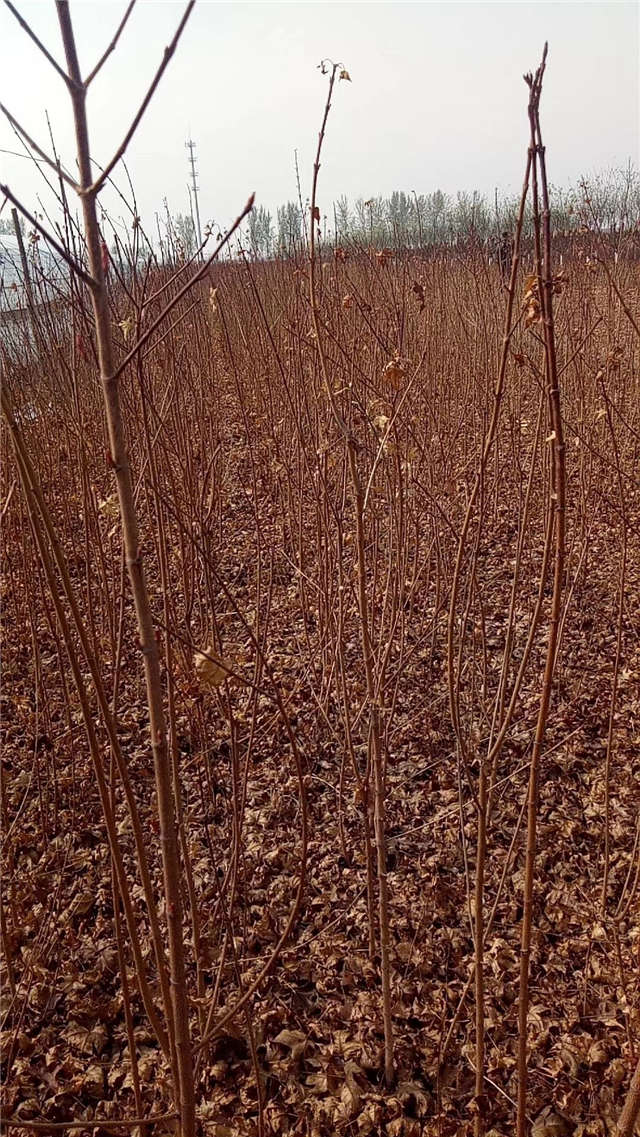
93 1123
39 44
103 59
168 52
34 146
625 306
7 501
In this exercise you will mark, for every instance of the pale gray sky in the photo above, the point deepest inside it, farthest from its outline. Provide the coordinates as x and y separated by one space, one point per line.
437 98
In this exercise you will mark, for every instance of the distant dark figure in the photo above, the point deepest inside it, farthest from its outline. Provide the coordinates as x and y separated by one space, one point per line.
505 256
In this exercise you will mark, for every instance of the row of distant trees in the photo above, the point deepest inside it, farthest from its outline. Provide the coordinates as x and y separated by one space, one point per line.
608 203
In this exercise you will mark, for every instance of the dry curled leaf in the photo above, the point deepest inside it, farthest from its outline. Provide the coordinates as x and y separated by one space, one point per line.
211 672
418 290
109 507
393 373
548 1123
294 1040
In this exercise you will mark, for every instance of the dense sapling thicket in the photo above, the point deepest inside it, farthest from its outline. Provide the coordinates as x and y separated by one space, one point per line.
320 764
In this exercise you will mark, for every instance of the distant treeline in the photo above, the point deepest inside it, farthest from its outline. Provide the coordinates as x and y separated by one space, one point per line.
603 207
608 204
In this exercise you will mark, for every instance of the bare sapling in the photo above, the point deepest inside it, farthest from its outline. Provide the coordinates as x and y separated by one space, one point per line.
375 738
543 311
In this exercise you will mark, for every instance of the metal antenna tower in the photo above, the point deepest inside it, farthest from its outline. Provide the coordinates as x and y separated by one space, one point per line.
191 146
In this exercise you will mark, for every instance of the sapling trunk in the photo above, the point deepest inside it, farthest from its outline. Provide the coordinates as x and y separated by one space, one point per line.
542 242
379 789
133 556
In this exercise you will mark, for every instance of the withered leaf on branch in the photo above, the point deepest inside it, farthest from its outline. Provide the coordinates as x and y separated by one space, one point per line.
418 289
393 373
211 671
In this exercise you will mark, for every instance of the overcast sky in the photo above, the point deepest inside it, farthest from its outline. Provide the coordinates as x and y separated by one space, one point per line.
436 100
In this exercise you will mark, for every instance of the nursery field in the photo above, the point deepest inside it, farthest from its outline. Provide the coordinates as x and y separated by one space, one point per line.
345 480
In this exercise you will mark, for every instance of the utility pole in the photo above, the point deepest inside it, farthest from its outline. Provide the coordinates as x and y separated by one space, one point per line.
191 146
